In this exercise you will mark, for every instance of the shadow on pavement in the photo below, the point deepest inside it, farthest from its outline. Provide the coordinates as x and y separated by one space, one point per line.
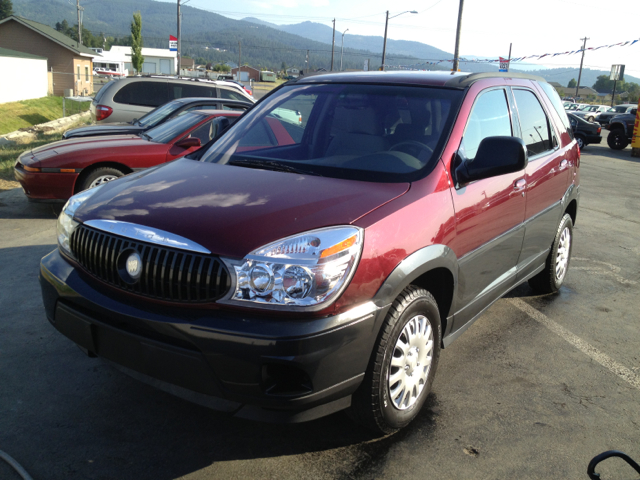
15 205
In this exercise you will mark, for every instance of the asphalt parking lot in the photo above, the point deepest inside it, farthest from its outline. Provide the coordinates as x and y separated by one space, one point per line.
534 389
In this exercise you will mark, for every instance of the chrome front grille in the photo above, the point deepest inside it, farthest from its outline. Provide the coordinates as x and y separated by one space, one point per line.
167 273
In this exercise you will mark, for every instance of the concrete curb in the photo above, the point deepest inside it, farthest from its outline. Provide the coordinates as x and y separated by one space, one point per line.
28 135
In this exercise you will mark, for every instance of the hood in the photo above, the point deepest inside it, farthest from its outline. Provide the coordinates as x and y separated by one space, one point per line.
104 129
67 149
233 210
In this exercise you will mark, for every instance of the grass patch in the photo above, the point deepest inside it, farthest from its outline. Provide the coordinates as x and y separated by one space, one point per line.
27 113
10 153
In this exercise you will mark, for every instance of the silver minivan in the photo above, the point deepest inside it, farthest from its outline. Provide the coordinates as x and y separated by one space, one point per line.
130 98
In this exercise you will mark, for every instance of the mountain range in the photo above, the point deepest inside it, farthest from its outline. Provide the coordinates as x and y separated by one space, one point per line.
214 38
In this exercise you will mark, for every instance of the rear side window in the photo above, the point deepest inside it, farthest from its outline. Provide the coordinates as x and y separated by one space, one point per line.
103 90
231 95
187 91
489 118
147 94
533 123
557 105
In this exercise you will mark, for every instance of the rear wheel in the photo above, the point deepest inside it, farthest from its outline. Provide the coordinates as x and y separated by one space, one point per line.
552 277
617 139
580 140
403 364
98 177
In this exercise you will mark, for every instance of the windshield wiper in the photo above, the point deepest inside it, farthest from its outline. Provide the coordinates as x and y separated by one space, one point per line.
144 135
271 165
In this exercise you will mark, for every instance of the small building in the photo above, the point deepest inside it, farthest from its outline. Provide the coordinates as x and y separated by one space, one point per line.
187 63
23 76
157 61
246 73
293 72
71 64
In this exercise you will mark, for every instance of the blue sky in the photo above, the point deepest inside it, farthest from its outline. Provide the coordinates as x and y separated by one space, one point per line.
543 26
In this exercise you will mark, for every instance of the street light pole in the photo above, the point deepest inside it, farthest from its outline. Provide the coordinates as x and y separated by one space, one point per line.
342 48
384 44
333 42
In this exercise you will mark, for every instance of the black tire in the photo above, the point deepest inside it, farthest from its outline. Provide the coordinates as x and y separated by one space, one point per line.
590 119
105 173
617 139
548 280
372 404
581 141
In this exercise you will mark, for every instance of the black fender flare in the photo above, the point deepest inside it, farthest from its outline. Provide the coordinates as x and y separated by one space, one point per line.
415 265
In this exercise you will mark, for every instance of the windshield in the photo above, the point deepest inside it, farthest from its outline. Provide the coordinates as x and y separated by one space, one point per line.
376 133
154 117
169 130
620 109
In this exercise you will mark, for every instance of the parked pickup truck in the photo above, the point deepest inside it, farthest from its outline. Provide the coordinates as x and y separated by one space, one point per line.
621 129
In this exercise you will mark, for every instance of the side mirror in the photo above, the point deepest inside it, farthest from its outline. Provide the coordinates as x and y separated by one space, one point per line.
188 142
495 156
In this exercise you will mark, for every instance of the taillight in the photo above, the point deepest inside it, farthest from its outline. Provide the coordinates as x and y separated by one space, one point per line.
599 130
102 112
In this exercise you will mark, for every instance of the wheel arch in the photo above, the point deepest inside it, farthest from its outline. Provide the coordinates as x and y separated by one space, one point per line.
108 164
434 268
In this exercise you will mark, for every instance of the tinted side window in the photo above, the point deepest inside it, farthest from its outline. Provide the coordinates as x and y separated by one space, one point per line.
148 94
533 122
203 132
489 117
231 95
557 104
186 91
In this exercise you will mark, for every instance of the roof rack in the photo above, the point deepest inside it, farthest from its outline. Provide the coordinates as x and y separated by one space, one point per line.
468 79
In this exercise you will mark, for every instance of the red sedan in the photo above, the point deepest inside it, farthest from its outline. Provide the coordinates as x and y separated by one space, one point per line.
58 170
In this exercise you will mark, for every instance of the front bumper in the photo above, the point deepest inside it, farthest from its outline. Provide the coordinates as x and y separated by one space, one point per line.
270 369
46 187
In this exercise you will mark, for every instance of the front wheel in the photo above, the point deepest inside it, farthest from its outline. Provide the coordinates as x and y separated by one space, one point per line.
617 139
552 277
403 364
98 177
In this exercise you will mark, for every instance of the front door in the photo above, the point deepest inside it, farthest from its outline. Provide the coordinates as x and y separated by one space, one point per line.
489 214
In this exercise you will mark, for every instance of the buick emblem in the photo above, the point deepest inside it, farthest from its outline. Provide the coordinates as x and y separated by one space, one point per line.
129 264
134 266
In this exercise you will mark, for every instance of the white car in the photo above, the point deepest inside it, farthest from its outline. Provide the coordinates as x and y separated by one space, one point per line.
589 112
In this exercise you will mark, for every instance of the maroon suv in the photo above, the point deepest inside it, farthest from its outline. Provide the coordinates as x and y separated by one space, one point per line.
285 282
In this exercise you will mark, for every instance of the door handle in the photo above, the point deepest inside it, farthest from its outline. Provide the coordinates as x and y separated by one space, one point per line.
520 184
563 164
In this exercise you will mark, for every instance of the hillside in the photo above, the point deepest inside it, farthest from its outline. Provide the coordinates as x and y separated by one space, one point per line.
214 38
206 35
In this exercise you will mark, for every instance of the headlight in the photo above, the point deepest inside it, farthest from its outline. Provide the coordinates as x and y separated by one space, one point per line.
304 270
66 223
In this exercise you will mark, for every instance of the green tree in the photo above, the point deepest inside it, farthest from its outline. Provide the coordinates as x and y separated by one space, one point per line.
572 83
604 85
136 42
6 9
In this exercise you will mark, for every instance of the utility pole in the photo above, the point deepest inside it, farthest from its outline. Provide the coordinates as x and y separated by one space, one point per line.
239 60
333 42
179 37
384 44
79 23
456 53
307 62
584 45
510 45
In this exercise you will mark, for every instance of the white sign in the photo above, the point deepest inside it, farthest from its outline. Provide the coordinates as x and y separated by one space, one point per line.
173 43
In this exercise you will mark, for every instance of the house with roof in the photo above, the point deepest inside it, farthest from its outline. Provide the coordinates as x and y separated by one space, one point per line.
71 64
32 83
157 61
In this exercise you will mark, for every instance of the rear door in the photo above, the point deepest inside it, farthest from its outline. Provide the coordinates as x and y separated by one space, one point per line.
547 178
